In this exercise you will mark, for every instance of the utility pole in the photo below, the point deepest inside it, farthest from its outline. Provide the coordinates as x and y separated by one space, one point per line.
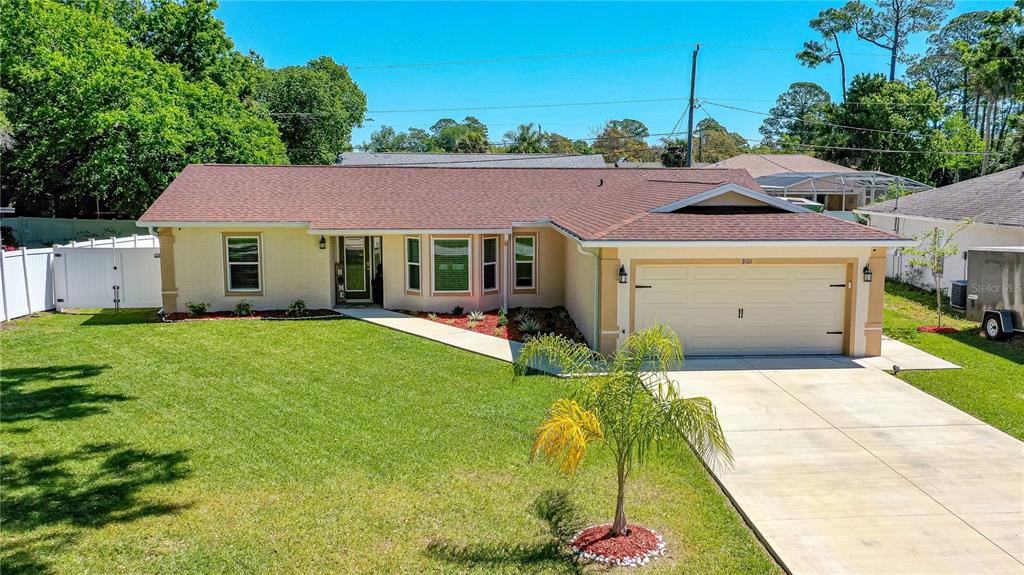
693 88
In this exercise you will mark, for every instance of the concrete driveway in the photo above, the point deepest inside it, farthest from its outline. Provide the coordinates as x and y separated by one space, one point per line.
846 469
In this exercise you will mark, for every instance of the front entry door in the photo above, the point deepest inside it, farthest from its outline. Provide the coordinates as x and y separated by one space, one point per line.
356 265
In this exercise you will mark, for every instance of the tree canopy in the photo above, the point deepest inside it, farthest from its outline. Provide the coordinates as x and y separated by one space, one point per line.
106 101
99 120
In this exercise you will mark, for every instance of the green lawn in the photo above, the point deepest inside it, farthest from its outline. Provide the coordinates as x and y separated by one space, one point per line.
304 447
991 384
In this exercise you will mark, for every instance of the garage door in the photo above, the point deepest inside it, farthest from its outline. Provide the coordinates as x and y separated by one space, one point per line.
745 309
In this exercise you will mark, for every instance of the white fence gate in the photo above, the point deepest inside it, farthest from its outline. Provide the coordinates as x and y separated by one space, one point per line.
25 282
106 276
81 274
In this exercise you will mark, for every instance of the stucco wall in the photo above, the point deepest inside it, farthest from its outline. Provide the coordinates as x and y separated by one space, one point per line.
861 254
292 267
973 236
550 278
397 297
581 289
550 257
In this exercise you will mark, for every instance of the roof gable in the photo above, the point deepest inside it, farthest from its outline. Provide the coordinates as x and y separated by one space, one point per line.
723 192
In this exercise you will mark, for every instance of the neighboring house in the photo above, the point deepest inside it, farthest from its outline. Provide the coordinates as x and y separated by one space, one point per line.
995 202
446 160
770 164
732 270
838 188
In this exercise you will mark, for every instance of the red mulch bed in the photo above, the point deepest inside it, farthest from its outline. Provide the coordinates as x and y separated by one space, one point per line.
552 320
269 314
937 329
637 547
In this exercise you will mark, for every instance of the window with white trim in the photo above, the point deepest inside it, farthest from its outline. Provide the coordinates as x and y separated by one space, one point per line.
525 261
490 264
412 264
451 257
243 263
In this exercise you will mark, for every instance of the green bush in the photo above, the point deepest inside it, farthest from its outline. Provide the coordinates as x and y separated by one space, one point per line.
476 315
196 309
243 308
457 310
298 309
502 317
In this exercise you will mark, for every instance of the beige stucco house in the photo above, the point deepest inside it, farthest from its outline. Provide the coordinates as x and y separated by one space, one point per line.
993 204
729 268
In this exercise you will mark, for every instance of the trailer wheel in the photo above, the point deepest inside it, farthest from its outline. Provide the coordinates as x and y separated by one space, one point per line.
993 330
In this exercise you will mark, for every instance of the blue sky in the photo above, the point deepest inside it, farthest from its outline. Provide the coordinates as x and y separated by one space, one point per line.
746 57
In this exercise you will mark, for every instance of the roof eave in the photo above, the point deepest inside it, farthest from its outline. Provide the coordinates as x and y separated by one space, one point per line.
894 242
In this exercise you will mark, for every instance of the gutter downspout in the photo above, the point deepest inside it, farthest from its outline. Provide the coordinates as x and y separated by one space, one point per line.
510 256
597 293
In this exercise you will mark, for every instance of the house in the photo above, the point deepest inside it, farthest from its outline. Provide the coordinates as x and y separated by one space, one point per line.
994 202
471 160
759 165
838 188
731 269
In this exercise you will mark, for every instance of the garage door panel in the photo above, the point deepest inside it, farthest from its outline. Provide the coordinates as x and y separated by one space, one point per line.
663 273
716 272
787 309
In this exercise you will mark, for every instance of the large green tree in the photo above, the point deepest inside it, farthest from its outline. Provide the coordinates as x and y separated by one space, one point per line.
525 139
100 121
316 107
830 23
890 24
716 143
892 127
996 63
942 66
625 138
794 115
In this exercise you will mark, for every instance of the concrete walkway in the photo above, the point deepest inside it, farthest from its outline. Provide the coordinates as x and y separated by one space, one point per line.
482 344
907 357
843 468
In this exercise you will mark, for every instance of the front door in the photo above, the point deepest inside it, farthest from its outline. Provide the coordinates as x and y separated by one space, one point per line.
356 266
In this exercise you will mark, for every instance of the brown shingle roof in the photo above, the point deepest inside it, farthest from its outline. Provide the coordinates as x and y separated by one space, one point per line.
993 199
592 204
767 164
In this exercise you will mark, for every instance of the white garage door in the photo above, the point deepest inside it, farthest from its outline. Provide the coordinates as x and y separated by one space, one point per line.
745 309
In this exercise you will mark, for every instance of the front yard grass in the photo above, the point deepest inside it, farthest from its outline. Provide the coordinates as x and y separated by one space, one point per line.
303 447
991 384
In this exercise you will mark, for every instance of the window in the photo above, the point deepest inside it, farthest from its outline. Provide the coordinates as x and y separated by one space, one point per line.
412 264
451 264
525 247
243 259
490 259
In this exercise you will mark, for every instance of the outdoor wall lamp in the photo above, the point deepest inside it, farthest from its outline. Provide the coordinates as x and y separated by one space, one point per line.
622 274
867 274
323 243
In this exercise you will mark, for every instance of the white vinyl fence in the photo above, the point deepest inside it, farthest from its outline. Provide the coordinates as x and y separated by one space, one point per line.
106 273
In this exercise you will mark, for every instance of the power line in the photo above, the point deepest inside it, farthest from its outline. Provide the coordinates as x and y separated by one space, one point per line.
850 148
814 122
526 106
500 59
584 54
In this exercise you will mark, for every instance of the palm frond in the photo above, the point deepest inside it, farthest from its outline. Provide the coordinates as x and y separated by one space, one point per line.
652 349
696 420
554 351
565 434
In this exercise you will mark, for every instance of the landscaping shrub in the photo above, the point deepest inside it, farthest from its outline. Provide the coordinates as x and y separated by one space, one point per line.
196 309
457 310
298 308
243 308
